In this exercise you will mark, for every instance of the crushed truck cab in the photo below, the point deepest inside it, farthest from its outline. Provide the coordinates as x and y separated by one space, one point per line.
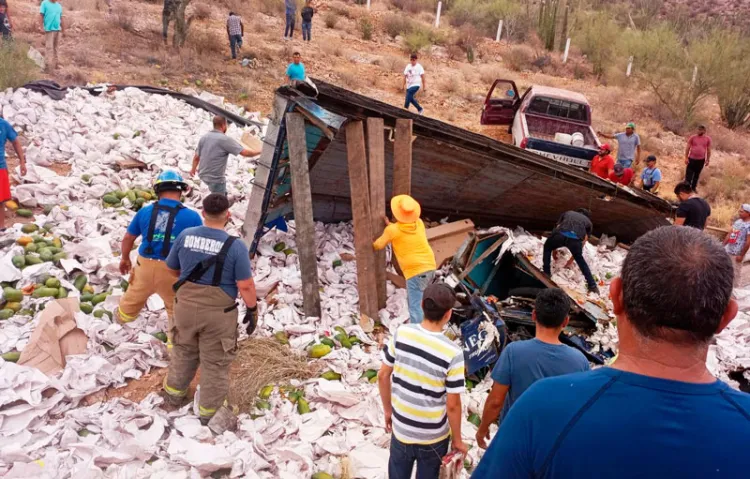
548 121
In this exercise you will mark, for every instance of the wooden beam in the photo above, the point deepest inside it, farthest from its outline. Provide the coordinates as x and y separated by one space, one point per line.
402 158
376 161
303 213
361 212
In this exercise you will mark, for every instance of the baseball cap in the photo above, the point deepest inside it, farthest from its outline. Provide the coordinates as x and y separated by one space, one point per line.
437 299
746 207
619 169
650 158
630 125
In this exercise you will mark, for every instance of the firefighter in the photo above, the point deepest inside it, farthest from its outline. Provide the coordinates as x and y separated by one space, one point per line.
158 224
213 268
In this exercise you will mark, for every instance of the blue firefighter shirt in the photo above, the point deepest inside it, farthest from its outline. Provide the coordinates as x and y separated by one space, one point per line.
186 218
197 244
614 424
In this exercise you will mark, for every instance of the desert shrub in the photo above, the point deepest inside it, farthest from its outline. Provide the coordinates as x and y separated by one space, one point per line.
202 11
366 28
332 48
729 141
395 25
519 58
271 7
123 18
484 15
16 69
729 181
414 6
349 79
451 85
330 19
596 36
392 63
416 41
205 43
489 74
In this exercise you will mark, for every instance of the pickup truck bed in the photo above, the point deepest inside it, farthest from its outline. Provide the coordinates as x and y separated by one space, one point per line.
545 128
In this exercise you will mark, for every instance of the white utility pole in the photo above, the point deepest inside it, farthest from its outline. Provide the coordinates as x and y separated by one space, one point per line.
630 67
567 50
437 16
499 30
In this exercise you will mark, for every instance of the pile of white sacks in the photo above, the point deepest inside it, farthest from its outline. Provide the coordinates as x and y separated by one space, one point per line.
50 434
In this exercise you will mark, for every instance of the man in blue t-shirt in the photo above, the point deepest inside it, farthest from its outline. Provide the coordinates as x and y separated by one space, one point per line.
651 175
525 362
158 224
657 410
295 72
213 268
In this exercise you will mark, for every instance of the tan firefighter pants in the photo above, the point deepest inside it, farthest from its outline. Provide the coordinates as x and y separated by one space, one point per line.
203 334
149 276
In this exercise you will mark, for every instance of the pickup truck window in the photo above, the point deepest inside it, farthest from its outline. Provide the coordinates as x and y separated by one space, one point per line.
558 108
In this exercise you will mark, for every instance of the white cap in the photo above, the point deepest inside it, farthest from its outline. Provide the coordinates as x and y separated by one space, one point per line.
746 207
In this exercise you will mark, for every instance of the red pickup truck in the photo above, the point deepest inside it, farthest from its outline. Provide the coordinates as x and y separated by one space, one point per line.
549 121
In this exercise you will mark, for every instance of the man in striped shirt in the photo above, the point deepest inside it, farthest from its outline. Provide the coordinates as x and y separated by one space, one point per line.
421 381
235 31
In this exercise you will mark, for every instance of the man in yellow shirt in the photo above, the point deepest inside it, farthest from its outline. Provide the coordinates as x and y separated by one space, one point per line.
412 251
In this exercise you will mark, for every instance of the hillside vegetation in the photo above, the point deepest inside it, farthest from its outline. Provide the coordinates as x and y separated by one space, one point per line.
366 51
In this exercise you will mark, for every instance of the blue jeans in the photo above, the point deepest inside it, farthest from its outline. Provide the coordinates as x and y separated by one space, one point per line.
625 163
415 287
306 30
235 42
217 188
427 456
289 30
575 246
410 100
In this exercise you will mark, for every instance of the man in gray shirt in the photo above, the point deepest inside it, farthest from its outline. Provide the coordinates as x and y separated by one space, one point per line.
572 231
211 156
628 145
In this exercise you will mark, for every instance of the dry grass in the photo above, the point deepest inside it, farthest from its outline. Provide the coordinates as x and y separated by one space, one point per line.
489 74
395 25
728 180
261 362
730 141
349 79
123 18
15 68
74 76
332 48
271 7
330 19
451 85
202 11
391 63
520 58
206 43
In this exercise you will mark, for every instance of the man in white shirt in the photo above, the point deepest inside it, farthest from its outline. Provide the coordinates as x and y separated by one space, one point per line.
413 81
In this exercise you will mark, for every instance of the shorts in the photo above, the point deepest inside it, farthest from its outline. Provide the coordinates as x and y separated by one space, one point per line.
4 185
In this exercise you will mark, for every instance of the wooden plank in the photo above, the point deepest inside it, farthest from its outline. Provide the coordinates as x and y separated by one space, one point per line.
303 213
376 162
361 213
402 155
446 239
129 163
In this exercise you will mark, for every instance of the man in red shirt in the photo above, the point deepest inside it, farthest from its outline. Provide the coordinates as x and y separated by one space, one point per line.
622 175
602 165
697 156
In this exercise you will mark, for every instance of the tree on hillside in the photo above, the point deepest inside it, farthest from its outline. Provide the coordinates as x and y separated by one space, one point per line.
175 10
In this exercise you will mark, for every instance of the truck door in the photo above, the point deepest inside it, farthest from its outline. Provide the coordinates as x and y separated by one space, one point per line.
501 103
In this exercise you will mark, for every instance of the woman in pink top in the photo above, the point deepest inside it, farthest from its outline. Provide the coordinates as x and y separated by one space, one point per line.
697 156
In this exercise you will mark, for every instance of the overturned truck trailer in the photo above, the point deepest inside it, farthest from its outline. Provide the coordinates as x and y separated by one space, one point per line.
454 172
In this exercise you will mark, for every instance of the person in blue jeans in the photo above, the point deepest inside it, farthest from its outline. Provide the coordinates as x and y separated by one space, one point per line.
420 381
235 31
414 79
291 13
657 410
523 363
572 232
307 16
